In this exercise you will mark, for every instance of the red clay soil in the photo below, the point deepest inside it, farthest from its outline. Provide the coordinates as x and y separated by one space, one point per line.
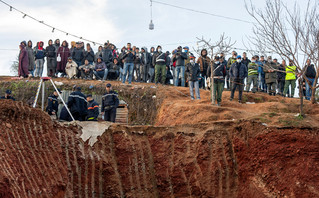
40 158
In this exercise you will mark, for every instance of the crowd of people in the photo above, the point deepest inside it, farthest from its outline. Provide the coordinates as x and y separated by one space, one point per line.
178 67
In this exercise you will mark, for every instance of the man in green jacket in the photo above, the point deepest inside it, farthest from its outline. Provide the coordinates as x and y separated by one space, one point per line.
270 70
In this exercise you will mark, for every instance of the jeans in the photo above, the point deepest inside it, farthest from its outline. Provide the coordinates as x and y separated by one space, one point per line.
128 70
160 70
252 79
192 85
121 74
151 72
240 84
293 86
281 86
218 91
308 89
262 83
101 74
179 70
38 67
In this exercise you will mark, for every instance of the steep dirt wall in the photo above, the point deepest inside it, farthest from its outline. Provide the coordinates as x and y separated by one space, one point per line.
225 159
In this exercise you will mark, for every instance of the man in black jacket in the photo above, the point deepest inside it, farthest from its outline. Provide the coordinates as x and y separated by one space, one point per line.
281 75
53 104
51 59
193 71
180 58
78 105
238 73
93 109
128 58
160 61
146 60
310 75
110 102
89 54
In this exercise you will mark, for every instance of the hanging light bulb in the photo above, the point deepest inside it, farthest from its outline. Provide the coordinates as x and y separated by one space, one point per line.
94 43
53 30
67 33
151 25
10 8
24 15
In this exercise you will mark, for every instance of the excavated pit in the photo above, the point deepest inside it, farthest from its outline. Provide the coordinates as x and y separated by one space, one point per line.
186 150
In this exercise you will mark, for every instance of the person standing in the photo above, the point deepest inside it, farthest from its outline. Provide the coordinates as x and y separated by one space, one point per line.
261 72
62 57
238 73
245 60
137 64
310 75
7 95
110 102
271 76
230 62
252 75
290 79
30 57
39 59
219 69
204 62
93 109
128 58
160 62
146 61
23 62
51 59
281 75
77 104
179 57
89 54
193 71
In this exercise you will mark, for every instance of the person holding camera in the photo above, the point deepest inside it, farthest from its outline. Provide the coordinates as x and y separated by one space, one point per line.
128 59
180 58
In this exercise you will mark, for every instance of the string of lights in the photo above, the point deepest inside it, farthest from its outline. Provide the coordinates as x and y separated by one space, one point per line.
201 12
25 15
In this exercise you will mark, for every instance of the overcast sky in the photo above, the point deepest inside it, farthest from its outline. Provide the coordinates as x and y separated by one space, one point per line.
120 21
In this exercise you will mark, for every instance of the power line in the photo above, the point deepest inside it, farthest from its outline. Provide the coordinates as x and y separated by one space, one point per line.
202 12
24 15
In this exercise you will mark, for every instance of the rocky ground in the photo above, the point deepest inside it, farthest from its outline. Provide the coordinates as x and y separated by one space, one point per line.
191 149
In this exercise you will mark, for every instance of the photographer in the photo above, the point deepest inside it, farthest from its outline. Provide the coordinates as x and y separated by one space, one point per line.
128 59
180 58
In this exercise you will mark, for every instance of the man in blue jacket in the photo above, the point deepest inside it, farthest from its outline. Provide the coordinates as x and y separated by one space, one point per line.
238 73
93 109
110 102
78 105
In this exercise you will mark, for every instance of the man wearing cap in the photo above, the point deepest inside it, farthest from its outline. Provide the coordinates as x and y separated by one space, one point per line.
179 57
238 73
77 104
53 104
110 102
8 96
93 109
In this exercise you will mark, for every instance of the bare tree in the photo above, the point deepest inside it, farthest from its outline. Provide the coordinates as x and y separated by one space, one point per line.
15 66
223 45
285 32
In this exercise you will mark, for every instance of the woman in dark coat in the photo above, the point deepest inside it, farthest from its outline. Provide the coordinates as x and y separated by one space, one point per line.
23 62
62 57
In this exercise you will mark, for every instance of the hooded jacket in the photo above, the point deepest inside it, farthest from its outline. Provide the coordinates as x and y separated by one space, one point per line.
203 62
64 53
100 65
50 50
39 51
107 55
23 62
146 58
30 56
270 77
56 45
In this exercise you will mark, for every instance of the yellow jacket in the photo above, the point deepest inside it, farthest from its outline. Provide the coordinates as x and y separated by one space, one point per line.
291 72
